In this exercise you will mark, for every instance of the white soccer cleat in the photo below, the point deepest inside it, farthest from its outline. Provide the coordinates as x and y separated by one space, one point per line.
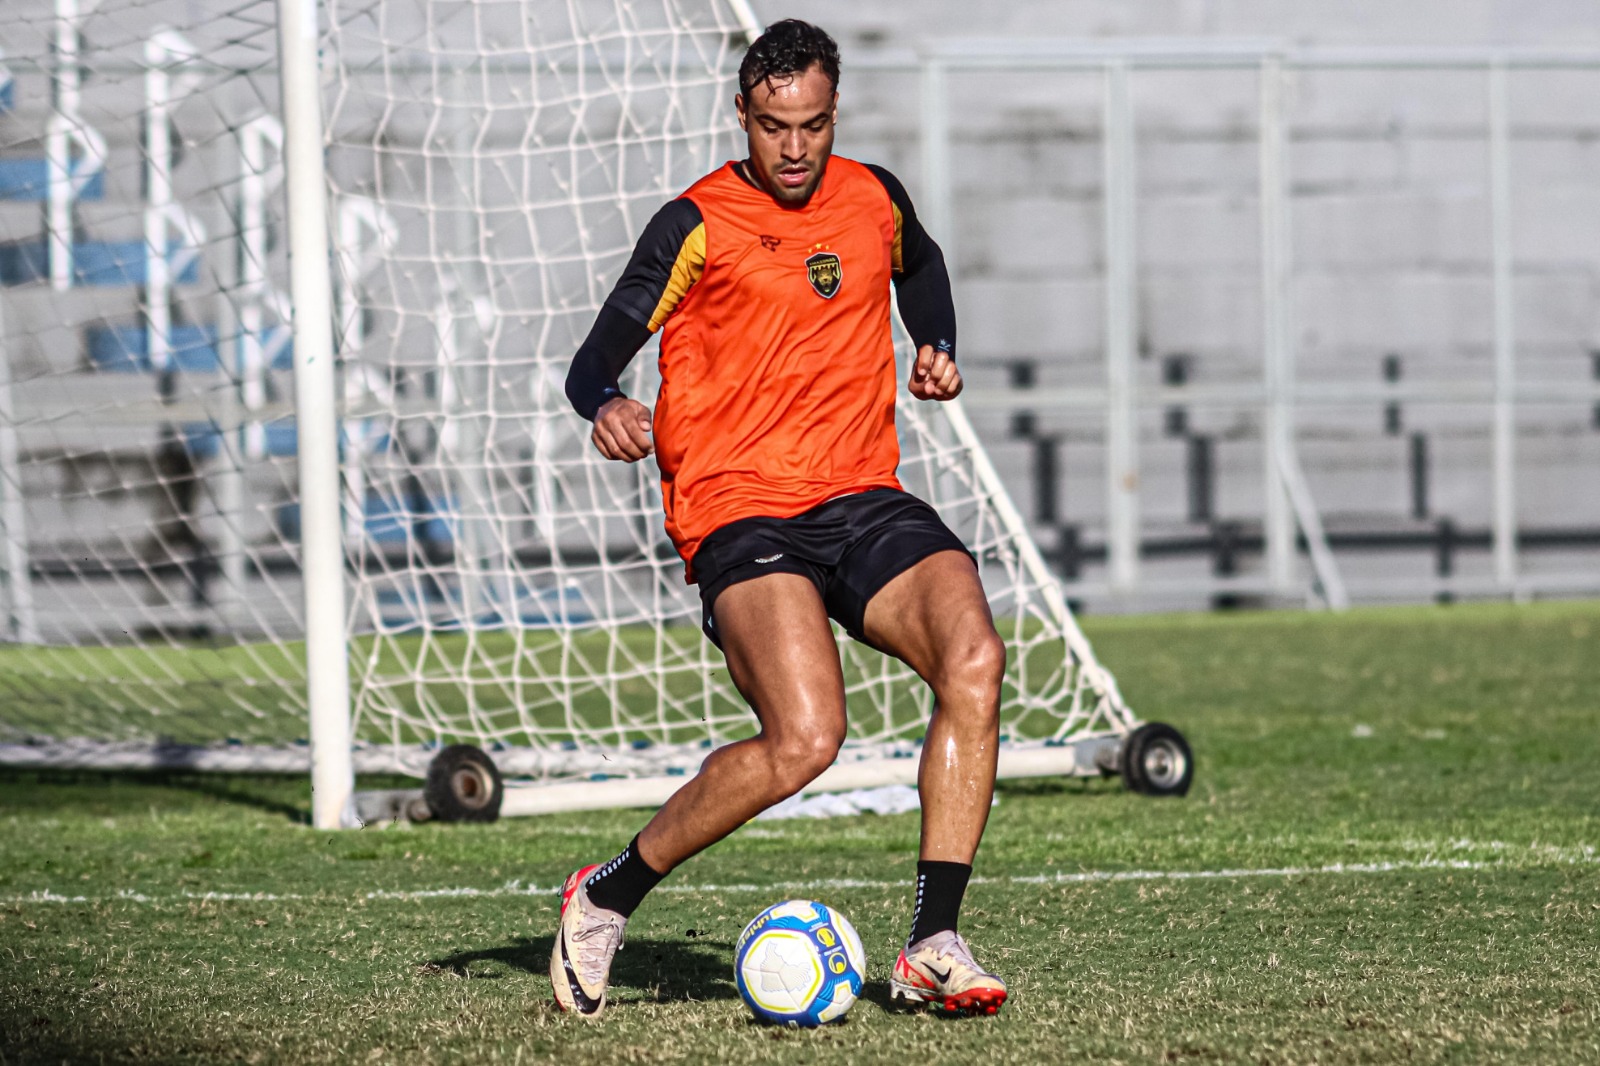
939 970
588 938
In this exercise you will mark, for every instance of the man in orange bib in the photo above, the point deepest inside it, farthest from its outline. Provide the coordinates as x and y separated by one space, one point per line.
770 282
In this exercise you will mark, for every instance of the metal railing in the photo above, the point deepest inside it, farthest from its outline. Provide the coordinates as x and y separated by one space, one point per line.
1279 391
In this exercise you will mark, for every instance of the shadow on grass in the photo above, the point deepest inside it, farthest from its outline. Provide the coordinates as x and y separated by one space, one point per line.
51 1025
878 994
273 794
245 793
664 970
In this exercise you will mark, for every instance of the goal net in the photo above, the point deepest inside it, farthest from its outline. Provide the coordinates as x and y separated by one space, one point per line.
490 164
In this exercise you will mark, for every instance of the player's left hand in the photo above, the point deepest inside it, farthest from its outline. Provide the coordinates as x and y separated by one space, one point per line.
934 375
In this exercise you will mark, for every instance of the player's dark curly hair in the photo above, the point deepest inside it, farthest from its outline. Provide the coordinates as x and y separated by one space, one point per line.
788 47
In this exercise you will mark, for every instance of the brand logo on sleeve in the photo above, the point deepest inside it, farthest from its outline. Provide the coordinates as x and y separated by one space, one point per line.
825 272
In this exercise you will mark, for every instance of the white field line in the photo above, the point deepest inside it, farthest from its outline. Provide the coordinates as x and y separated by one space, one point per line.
1541 855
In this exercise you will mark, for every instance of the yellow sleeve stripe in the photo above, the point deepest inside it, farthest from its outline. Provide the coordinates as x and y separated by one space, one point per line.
896 254
690 264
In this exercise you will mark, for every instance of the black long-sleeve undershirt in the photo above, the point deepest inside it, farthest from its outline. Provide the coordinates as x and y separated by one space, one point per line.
596 373
922 287
623 326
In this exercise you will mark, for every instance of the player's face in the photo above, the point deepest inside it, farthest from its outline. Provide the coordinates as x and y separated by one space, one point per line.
790 126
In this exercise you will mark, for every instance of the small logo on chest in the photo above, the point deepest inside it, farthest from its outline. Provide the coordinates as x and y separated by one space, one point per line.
770 243
825 272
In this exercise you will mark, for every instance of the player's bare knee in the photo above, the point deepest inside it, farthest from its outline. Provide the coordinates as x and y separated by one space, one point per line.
989 659
973 667
801 757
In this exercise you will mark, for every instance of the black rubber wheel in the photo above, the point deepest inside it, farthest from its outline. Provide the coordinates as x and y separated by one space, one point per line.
463 786
1156 761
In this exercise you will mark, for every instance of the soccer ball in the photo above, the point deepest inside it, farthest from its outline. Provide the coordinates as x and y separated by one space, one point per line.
799 963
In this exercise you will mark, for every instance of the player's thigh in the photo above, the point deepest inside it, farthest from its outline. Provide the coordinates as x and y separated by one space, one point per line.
781 653
933 615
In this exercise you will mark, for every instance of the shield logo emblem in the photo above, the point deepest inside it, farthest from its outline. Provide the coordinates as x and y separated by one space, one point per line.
825 272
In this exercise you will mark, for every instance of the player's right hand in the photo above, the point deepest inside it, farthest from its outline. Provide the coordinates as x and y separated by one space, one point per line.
622 430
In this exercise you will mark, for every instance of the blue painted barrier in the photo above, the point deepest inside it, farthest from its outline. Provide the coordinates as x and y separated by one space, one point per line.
29 180
126 349
96 263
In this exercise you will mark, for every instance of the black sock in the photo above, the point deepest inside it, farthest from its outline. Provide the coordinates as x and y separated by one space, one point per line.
621 884
940 886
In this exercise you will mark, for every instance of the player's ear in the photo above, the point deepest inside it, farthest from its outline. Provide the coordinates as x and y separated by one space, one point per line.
738 107
836 107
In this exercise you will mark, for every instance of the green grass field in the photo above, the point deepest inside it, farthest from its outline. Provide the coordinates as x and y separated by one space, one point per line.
1389 855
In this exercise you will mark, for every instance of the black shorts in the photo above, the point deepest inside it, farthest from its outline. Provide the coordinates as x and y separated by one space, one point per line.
849 547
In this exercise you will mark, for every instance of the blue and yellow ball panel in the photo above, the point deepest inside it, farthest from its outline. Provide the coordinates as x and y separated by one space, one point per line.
799 963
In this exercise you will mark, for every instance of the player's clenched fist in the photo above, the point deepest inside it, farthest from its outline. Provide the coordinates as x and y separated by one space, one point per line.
934 375
622 430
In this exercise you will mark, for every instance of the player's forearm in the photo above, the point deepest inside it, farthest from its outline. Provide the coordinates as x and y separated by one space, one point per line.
596 372
926 304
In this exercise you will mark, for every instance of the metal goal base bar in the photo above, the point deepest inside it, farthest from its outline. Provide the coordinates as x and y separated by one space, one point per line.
1084 757
1090 755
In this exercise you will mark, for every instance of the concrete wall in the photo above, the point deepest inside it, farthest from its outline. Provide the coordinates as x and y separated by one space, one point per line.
1306 22
1390 230
1391 238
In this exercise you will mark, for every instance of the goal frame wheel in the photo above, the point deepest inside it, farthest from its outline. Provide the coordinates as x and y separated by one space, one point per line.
463 785
1156 761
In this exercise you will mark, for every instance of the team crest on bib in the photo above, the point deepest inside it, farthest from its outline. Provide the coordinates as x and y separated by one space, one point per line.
826 273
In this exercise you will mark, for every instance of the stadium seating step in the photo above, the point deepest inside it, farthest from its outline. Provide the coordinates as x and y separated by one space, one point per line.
98 263
437 604
390 521
126 349
29 179
203 439
282 438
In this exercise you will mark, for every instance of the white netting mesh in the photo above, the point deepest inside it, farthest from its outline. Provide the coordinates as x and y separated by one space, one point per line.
491 164
150 590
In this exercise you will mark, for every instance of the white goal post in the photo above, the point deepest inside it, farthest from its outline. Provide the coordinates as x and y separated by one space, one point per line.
387 534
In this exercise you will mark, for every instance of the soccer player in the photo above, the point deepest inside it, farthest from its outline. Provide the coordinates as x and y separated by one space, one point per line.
770 281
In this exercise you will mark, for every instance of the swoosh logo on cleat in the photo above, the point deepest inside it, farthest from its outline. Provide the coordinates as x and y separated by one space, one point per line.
581 999
942 976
